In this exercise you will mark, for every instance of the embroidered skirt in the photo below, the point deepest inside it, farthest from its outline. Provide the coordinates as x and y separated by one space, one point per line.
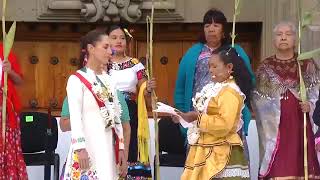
12 165
216 162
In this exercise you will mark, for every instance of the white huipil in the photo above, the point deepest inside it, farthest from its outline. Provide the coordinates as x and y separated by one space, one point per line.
88 129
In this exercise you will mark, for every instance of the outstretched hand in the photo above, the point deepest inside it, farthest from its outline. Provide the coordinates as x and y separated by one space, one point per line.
189 116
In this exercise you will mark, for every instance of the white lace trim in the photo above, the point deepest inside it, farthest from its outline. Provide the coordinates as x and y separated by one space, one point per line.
193 133
201 99
234 172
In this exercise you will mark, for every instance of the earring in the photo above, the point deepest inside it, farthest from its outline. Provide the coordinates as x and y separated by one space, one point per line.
230 76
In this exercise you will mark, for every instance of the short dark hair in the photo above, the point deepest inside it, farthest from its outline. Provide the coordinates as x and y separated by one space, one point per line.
217 16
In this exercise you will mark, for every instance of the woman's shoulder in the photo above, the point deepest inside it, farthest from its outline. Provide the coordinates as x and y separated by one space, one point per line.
193 52
232 89
131 62
195 47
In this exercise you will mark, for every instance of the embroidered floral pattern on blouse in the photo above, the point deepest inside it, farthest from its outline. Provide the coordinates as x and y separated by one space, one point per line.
78 140
124 65
142 74
128 64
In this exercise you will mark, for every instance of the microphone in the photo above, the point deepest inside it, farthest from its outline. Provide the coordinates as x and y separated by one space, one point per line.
113 52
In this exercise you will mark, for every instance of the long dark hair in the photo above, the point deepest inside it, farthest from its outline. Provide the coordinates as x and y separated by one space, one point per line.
90 38
217 16
240 71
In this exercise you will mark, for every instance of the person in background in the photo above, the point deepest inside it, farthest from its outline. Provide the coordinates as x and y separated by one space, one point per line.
193 72
216 149
279 110
12 165
129 75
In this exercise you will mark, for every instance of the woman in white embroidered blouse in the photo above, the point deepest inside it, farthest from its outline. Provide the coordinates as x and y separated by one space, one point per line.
94 114
129 75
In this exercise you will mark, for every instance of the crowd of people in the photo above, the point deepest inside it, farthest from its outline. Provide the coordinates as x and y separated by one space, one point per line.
216 91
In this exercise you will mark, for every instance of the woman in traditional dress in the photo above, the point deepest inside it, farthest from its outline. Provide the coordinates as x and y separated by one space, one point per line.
12 165
94 115
129 75
125 120
279 110
193 73
216 149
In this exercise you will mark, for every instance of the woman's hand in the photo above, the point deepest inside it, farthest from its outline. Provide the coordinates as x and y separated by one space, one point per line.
6 66
16 78
83 159
175 119
123 165
151 84
189 116
305 106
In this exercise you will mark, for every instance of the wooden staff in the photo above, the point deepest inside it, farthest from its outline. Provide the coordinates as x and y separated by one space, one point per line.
303 96
235 14
304 21
7 45
5 77
154 98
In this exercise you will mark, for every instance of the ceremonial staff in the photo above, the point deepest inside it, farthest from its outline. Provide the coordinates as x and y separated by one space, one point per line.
7 45
154 98
303 21
235 14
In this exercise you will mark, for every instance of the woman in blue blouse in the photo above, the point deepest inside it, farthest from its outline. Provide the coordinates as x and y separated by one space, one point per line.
193 73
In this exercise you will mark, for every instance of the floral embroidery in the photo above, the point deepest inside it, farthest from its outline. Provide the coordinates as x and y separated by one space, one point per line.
141 74
111 110
76 173
78 140
124 65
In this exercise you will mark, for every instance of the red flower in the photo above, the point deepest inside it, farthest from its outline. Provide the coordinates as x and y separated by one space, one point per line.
140 75
76 165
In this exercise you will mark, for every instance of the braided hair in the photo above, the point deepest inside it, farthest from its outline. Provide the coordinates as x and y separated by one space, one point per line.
90 38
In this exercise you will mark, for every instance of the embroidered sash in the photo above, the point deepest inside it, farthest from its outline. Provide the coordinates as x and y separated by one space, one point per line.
100 104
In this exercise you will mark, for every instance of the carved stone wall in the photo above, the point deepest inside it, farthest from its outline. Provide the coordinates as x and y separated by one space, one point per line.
105 10
90 10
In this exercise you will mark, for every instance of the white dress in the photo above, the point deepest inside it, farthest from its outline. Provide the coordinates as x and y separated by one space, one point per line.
89 132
